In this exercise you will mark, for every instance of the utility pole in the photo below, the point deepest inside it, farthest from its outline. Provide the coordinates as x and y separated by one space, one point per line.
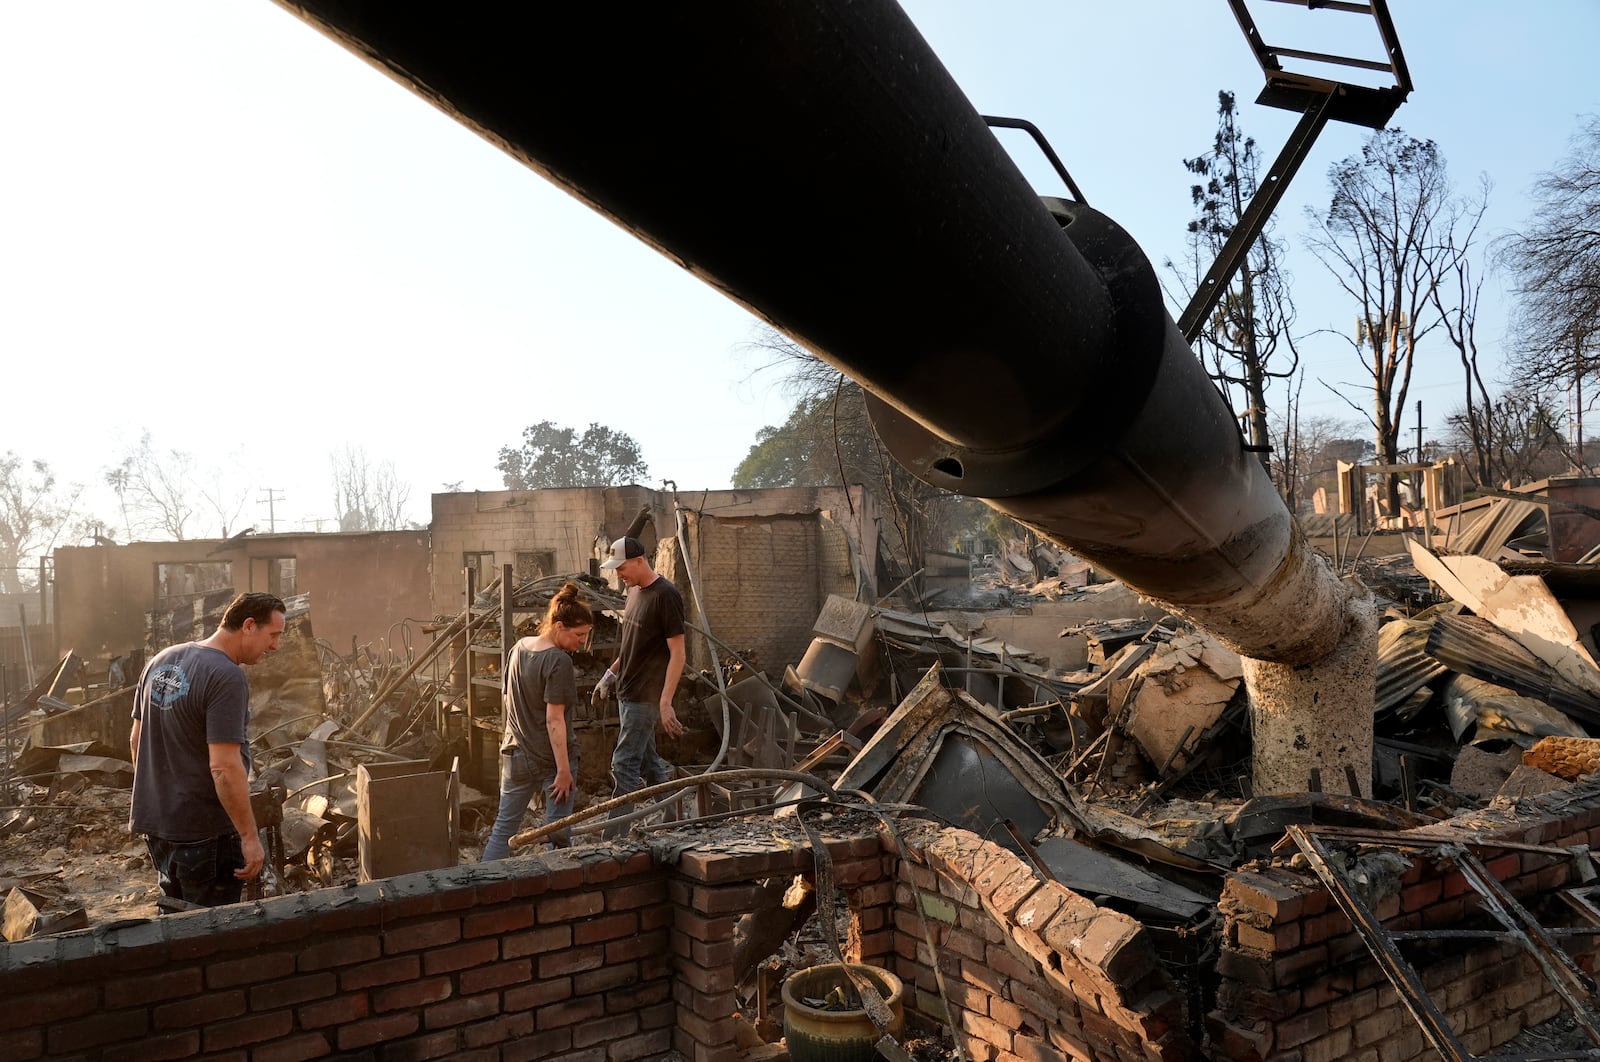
1419 480
273 495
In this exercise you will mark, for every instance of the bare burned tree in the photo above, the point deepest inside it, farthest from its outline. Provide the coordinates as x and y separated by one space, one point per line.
828 438
1555 263
1385 236
156 488
1242 340
366 496
1526 442
1454 288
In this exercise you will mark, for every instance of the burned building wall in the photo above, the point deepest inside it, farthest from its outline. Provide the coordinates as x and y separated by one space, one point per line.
550 531
360 583
1298 983
1029 968
765 560
765 578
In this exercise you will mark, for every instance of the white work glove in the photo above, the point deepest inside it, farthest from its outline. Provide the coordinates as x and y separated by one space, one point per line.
602 692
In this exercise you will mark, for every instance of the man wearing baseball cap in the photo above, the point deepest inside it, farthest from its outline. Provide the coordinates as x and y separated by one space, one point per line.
647 669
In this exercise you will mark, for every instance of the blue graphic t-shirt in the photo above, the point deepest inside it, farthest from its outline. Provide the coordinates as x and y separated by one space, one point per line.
189 696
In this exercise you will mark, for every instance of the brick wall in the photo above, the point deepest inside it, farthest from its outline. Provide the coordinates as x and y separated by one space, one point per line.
1299 985
1030 969
765 580
614 953
602 954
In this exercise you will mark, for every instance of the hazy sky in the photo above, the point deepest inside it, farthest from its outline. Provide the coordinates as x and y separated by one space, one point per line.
219 227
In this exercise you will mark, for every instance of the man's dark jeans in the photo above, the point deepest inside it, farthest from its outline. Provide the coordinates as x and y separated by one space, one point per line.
199 871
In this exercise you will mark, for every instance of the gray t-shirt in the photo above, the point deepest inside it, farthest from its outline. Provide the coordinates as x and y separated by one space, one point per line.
189 696
535 678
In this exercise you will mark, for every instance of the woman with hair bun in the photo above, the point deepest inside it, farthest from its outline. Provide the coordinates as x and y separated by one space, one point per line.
538 747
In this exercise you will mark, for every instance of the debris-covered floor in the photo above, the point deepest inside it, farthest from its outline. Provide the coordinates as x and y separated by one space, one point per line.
1127 781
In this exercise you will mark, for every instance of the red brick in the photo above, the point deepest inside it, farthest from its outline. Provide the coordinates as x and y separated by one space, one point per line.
537 993
176 1045
342 951
656 916
24 1044
569 906
605 978
609 927
199 1010
538 1045
653 1044
614 1027
257 968
703 1031
294 1049
460 957
568 1012
255 1029
293 990
461 1010
503 1028
340 1011
987 1030
630 897
641 945
600 871
725 899
67 1001
94 1030
383 972
571 961
499 975
151 988
432 934
413 994
497 922
378 1030
701 928
431 1045
536 942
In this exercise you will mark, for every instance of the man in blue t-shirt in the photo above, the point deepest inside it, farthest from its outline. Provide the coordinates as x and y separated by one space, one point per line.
646 671
191 756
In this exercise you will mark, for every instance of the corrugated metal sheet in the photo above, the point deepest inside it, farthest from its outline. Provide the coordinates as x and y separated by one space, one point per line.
1488 712
1504 520
1404 666
1476 647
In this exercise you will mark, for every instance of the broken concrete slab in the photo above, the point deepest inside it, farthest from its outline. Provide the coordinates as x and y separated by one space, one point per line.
1180 690
1480 773
1527 781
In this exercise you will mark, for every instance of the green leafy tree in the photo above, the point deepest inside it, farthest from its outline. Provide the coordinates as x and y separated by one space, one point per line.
553 456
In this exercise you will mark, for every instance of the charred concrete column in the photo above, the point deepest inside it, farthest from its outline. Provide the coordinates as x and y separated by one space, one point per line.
814 161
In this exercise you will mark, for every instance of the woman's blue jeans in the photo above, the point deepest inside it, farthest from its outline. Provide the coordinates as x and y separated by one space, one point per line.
520 776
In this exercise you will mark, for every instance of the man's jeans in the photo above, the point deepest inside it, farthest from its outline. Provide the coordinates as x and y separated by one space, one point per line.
199 871
520 776
636 764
